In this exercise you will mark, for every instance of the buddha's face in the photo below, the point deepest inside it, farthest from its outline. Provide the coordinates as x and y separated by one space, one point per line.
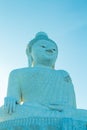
44 51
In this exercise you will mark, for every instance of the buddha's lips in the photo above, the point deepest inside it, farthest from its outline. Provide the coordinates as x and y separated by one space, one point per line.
49 51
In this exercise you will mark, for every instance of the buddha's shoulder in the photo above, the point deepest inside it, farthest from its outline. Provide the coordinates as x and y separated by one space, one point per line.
65 75
20 71
62 72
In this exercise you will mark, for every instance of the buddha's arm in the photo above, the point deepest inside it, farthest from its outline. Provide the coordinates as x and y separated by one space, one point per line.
68 85
66 93
67 97
13 93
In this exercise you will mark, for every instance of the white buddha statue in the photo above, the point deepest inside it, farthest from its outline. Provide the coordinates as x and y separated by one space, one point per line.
42 90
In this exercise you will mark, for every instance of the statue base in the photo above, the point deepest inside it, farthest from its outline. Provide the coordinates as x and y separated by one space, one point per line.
37 123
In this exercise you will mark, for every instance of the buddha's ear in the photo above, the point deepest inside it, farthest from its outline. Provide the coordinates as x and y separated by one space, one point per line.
30 61
27 51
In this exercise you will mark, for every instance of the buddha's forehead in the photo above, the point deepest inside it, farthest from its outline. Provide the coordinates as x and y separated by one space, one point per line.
47 43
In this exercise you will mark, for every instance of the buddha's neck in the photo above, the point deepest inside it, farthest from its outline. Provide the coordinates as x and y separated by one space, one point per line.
43 65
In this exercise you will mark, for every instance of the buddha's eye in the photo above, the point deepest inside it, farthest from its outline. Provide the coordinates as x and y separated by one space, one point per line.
54 49
43 46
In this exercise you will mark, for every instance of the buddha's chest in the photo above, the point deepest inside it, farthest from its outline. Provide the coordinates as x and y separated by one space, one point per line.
40 81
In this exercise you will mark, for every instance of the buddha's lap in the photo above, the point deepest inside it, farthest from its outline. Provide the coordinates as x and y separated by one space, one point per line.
37 110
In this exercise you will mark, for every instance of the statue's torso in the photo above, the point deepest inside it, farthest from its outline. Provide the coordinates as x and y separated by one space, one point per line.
44 86
41 85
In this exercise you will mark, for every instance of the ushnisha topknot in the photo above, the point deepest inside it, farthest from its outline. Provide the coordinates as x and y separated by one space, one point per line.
41 35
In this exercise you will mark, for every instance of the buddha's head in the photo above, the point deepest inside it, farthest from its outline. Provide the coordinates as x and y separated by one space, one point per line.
42 51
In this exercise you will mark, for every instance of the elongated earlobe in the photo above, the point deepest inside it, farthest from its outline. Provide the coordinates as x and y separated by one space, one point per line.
30 61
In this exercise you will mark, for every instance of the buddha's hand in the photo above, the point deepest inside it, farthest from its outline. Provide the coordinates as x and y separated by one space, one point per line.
60 108
56 107
9 105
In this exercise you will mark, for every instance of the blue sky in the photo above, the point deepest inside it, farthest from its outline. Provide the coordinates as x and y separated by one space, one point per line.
65 21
